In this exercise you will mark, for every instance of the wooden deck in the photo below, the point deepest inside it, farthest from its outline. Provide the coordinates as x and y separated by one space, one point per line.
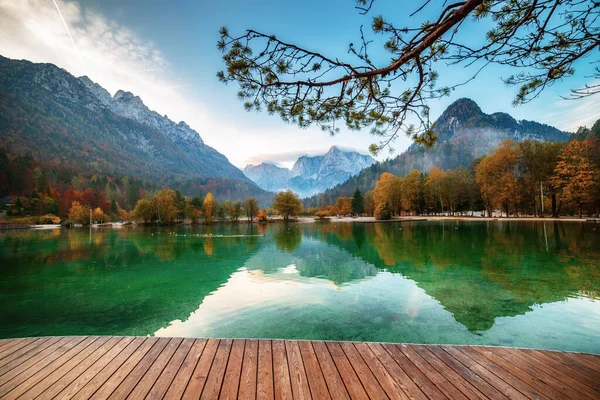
175 368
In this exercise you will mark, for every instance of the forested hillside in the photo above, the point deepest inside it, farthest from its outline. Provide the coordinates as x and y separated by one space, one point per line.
464 133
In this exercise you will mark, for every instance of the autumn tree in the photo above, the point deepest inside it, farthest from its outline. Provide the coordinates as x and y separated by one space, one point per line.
287 203
250 208
388 189
79 213
433 189
210 208
144 211
496 175
412 192
575 176
233 210
357 202
343 205
383 211
166 205
98 215
262 216
540 41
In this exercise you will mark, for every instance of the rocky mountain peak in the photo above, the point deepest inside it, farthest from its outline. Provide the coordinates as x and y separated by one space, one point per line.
310 174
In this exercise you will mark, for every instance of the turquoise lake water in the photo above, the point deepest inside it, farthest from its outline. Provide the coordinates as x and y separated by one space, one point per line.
508 283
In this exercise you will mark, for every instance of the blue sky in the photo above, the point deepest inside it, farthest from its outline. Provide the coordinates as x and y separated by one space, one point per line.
166 53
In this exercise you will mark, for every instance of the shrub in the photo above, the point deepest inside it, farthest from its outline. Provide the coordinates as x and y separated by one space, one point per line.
383 211
262 216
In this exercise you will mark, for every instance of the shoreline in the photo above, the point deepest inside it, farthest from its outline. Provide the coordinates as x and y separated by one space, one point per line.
310 220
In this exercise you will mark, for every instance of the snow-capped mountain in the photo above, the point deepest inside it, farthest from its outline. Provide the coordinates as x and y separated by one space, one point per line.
310 174
61 118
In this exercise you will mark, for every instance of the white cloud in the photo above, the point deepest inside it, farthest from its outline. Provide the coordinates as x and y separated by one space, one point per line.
569 115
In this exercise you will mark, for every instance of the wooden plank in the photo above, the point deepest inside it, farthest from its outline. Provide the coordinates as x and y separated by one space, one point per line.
509 374
459 381
570 368
21 373
96 371
157 366
351 381
408 385
443 384
419 378
186 370
167 376
39 371
212 388
38 383
28 347
11 346
300 388
592 358
281 372
314 375
553 377
486 374
573 362
482 385
264 378
391 387
334 381
58 386
249 371
366 377
33 352
518 371
198 378
116 369
231 382
120 385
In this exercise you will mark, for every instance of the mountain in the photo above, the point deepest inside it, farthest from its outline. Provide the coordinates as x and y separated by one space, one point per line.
64 120
465 133
268 176
310 175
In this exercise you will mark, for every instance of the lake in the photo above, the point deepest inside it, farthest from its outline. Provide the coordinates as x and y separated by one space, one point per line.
507 283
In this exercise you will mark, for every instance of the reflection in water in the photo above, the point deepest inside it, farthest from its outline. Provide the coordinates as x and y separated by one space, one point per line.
506 283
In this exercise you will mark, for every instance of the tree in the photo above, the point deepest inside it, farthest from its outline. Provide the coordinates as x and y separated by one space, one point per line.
79 213
144 211
262 216
369 203
343 205
210 208
98 215
388 189
574 175
433 189
250 208
383 211
165 202
287 203
233 210
496 175
192 213
357 202
412 192
540 40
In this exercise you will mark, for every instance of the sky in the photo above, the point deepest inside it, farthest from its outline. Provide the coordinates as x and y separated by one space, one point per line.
165 52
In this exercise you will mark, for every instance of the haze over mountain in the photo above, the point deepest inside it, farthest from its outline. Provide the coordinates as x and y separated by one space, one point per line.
310 175
465 133
64 120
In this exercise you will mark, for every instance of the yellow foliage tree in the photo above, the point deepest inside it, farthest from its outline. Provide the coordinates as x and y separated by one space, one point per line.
79 213
209 207
287 204
98 215
574 175
388 189
165 204
496 175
